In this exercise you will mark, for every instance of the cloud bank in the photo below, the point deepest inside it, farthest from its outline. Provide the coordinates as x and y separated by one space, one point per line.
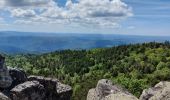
85 13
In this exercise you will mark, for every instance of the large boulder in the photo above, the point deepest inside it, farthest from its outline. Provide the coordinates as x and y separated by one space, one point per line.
5 79
18 76
105 90
161 91
120 96
49 84
4 97
31 90
54 89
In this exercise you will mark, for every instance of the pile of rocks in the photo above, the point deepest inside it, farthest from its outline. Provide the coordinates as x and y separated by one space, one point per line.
105 90
35 88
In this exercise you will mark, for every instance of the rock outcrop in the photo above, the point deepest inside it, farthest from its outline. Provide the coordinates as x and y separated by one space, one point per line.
120 96
15 85
161 91
54 89
105 90
50 84
35 88
30 90
4 97
5 79
18 76
64 92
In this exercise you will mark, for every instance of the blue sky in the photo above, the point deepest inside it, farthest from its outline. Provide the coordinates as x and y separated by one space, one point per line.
137 17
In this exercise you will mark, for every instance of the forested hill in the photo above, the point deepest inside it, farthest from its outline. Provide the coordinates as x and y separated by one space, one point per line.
135 67
30 42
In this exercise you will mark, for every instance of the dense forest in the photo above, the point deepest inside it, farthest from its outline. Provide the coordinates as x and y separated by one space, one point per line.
133 66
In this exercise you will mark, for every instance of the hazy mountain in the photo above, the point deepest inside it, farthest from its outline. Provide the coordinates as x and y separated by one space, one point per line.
27 42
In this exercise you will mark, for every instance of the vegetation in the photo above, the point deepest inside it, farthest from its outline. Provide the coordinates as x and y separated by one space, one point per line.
135 67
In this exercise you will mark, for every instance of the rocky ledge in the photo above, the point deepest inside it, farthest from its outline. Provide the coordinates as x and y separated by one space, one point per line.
35 88
161 91
105 90
43 88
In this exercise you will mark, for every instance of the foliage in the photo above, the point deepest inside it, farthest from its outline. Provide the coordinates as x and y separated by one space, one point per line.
135 67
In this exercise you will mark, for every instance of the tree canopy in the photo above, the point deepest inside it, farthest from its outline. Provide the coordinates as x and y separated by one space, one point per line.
133 66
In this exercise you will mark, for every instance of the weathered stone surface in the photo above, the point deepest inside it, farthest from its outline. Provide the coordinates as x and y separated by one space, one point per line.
120 96
64 91
161 91
105 90
92 95
3 97
54 89
5 79
49 84
31 90
18 76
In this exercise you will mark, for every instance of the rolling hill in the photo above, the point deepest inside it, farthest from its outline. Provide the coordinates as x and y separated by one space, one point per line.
27 42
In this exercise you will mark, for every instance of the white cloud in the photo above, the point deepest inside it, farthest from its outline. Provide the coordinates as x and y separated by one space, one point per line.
102 8
22 22
2 3
23 3
97 13
22 13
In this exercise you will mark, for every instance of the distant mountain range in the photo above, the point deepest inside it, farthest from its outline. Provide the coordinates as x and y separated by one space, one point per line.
29 42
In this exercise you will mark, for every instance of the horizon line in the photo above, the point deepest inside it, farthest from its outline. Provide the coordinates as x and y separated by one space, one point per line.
83 33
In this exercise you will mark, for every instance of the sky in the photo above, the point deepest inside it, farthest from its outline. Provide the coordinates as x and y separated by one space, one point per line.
130 17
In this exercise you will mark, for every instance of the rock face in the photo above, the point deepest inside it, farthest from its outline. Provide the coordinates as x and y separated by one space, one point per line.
64 92
18 76
161 91
31 90
15 85
120 96
35 88
5 79
106 91
54 89
3 97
